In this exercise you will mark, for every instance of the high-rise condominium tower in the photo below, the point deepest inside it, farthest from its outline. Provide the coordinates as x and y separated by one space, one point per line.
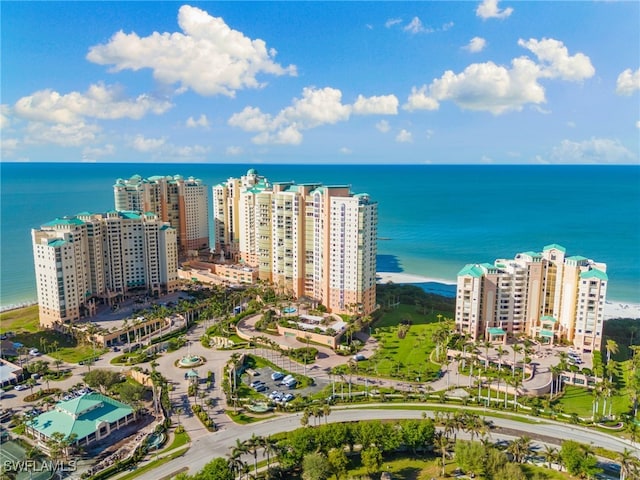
546 295
88 258
312 240
184 203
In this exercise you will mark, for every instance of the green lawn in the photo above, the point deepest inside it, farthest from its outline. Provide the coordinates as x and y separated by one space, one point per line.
580 400
402 312
20 320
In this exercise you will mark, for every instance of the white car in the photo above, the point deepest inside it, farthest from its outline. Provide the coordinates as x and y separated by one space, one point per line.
21 387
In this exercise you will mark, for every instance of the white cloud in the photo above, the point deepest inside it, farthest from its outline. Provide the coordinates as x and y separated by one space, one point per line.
93 153
8 146
345 151
142 144
233 151
628 82
571 124
595 150
392 21
159 148
5 111
638 124
99 101
476 44
200 122
499 89
65 135
555 60
486 159
404 136
383 126
415 26
489 9
208 57
316 107
429 133
381 105
419 100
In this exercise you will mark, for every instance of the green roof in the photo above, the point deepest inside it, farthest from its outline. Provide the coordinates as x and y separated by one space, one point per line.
81 416
546 333
58 242
556 246
129 214
532 254
64 221
473 270
594 273
548 318
577 258
496 331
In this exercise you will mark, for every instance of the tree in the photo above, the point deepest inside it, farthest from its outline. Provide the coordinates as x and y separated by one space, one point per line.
338 461
519 448
102 379
510 471
611 348
629 465
550 455
218 469
441 444
371 459
315 467
469 456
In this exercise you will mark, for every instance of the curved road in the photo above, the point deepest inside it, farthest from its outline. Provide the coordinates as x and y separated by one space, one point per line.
218 444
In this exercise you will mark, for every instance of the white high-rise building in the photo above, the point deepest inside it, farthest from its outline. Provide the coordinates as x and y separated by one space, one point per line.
312 240
545 295
90 258
184 203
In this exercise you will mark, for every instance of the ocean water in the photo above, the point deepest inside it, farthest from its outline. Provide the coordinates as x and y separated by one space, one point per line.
433 219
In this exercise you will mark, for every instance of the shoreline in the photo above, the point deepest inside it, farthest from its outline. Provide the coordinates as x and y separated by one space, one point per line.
612 308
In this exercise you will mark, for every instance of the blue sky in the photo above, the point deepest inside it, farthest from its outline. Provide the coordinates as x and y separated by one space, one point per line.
315 82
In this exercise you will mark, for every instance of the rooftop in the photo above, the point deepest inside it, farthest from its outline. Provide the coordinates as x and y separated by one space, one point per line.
80 416
594 273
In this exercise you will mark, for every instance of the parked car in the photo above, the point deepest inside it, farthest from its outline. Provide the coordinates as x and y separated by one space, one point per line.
277 376
261 388
288 397
21 387
359 357
34 352
255 383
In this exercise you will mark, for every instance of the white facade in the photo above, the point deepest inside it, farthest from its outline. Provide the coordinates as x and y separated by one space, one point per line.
296 235
100 257
184 203
546 295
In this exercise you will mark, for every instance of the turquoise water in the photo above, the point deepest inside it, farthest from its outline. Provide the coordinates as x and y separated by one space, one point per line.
433 219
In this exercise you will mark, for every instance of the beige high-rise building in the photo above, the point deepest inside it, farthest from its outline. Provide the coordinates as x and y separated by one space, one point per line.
311 240
545 295
184 203
91 258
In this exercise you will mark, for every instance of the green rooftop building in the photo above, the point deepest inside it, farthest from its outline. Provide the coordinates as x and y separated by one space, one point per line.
545 295
87 418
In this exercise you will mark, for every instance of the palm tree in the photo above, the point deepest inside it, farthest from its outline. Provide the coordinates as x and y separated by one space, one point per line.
269 446
516 349
612 348
629 465
500 351
486 346
550 455
236 463
519 448
441 443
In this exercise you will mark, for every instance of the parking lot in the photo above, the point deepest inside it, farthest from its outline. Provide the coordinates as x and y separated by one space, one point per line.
269 385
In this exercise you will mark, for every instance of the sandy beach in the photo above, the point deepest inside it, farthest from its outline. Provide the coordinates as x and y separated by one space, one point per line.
612 309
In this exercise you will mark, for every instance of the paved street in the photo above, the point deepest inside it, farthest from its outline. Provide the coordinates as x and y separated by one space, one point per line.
219 444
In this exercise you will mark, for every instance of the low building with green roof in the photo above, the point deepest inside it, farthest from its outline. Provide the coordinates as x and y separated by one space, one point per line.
84 419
